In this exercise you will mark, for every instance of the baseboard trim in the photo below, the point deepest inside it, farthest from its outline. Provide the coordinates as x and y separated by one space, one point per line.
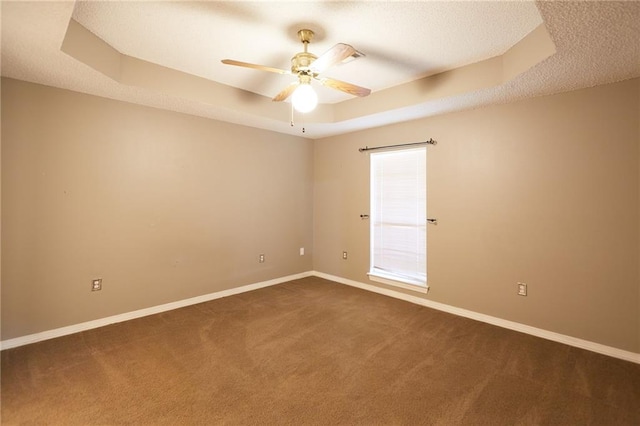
538 332
76 328
511 325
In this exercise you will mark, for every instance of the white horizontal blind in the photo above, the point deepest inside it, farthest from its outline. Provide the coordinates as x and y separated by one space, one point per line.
399 215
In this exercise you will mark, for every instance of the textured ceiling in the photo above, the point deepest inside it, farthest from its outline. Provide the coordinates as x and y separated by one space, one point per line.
404 42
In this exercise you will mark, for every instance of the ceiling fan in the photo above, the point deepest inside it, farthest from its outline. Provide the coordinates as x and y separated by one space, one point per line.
306 66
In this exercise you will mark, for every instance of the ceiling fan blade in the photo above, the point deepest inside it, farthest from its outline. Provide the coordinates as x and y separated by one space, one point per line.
254 66
345 87
286 92
335 55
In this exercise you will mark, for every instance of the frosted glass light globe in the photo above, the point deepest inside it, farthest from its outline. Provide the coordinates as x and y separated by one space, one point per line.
304 98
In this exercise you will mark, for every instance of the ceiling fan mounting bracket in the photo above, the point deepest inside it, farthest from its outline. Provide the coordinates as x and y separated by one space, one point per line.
305 37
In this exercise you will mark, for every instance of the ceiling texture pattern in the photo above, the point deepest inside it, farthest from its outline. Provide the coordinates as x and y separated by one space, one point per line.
421 58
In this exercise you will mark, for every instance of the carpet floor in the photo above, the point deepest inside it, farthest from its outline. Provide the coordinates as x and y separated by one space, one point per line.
313 352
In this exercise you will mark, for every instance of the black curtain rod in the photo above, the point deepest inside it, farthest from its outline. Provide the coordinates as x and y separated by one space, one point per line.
429 142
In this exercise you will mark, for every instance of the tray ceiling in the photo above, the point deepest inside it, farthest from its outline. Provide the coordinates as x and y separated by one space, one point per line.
422 58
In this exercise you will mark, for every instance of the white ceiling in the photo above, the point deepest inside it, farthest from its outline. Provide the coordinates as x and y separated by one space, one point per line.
402 41
595 43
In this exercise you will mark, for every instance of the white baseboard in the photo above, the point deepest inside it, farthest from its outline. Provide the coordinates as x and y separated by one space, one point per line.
538 332
76 328
549 335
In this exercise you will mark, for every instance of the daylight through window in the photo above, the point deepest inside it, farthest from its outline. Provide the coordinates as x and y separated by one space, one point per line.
399 217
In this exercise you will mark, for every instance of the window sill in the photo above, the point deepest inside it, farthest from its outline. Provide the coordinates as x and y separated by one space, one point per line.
420 288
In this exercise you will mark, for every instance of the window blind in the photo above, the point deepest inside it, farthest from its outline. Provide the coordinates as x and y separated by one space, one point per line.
399 215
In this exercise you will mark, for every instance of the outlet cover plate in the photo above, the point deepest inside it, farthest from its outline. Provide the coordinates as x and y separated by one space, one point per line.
96 285
522 289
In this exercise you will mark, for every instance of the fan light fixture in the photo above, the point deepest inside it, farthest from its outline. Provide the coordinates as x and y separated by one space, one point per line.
304 98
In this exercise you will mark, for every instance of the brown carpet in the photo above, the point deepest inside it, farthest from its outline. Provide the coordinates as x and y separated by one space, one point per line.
313 352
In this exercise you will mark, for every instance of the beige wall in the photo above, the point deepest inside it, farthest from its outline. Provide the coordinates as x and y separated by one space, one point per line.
162 206
165 206
543 191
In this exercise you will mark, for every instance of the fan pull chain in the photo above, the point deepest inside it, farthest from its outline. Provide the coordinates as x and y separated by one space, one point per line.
293 124
292 114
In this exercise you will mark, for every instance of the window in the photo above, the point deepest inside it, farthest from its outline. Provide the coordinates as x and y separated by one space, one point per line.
399 218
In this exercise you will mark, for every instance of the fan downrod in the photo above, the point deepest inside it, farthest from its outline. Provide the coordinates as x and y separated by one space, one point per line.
301 62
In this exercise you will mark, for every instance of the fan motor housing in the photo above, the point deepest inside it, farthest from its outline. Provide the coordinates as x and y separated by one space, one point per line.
301 62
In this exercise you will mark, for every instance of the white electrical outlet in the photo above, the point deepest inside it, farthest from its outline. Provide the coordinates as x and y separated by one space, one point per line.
301 251
261 260
522 289
96 285
344 255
